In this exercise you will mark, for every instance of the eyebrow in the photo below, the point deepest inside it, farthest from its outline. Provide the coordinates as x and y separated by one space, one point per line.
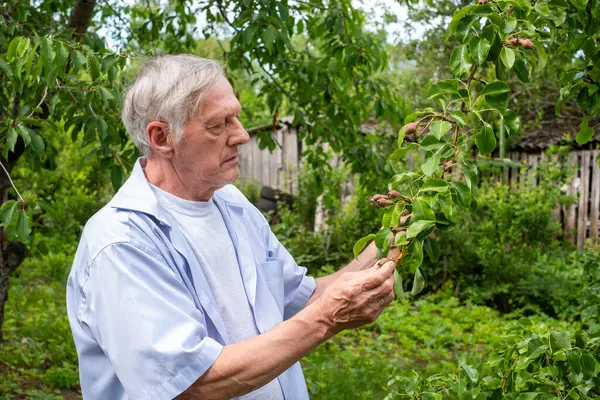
224 113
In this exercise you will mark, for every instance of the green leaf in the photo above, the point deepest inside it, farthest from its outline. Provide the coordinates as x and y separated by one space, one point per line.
559 341
542 57
382 238
106 94
11 53
460 61
430 165
419 282
486 140
62 55
588 365
448 86
79 61
23 225
268 38
93 66
414 257
457 17
417 227
523 70
463 193
361 243
585 133
422 211
37 143
398 208
7 211
400 239
496 95
400 153
510 25
528 395
495 88
479 49
511 122
432 248
459 117
434 185
24 133
508 57
579 4
11 139
401 136
5 67
47 54
471 372
439 128
116 177
398 289
469 170
430 143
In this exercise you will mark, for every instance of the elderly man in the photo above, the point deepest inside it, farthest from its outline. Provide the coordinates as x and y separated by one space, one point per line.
179 287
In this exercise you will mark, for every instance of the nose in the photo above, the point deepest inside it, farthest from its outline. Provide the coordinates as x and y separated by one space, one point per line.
239 136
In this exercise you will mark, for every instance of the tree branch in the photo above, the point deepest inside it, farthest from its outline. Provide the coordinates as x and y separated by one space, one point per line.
81 16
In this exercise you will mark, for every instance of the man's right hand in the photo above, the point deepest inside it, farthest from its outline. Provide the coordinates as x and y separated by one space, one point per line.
356 298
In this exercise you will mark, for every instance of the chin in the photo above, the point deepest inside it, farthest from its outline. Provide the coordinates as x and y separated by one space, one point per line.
231 176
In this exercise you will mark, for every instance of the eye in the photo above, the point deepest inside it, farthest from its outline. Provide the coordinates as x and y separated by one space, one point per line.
219 128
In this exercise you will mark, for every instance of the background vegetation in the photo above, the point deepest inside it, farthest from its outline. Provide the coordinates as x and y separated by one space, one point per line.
510 309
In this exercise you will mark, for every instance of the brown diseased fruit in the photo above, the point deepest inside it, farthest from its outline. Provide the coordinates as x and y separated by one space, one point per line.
412 127
378 197
482 2
513 41
393 194
526 43
385 203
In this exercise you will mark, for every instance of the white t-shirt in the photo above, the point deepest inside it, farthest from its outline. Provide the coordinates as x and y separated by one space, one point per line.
202 225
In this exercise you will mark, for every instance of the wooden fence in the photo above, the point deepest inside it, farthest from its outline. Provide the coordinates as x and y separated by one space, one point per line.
580 221
278 169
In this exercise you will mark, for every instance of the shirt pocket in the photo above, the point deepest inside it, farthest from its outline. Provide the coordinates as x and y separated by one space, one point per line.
273 274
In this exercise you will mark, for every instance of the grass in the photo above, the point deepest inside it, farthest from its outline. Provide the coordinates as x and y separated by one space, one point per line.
433 334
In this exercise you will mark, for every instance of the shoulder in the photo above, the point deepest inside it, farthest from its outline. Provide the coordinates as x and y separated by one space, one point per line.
113 227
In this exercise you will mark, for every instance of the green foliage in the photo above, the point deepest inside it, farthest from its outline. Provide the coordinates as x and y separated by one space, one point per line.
429 336
332 247
536 362
508 253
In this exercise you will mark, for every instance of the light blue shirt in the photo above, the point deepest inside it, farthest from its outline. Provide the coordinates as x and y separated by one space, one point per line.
145 322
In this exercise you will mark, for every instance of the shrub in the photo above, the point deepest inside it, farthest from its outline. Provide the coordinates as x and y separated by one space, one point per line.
509 253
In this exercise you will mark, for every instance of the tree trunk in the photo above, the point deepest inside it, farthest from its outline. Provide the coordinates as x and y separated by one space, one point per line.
81 16
11 253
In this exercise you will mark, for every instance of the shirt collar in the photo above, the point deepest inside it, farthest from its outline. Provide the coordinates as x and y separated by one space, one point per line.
137 195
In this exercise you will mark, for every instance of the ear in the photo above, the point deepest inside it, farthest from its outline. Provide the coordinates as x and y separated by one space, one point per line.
160 140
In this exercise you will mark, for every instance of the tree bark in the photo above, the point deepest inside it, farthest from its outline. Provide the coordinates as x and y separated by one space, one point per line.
11 253
81 16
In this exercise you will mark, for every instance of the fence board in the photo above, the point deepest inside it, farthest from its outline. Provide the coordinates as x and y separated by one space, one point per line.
570 211
595 197
582 209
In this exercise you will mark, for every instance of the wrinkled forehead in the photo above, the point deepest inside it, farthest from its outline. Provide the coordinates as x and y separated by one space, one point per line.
220 100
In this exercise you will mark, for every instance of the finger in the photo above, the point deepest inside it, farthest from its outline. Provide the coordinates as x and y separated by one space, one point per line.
377 276
389 298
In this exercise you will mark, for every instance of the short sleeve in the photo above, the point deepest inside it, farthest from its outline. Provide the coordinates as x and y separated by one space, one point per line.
145 320
298 287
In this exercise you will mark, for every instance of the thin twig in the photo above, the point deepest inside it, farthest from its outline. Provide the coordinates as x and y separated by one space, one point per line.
39 104
11 182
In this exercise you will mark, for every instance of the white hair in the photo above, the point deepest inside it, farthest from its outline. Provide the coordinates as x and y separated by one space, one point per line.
169 89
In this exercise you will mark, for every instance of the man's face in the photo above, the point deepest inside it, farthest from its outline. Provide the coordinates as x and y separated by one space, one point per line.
208 153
